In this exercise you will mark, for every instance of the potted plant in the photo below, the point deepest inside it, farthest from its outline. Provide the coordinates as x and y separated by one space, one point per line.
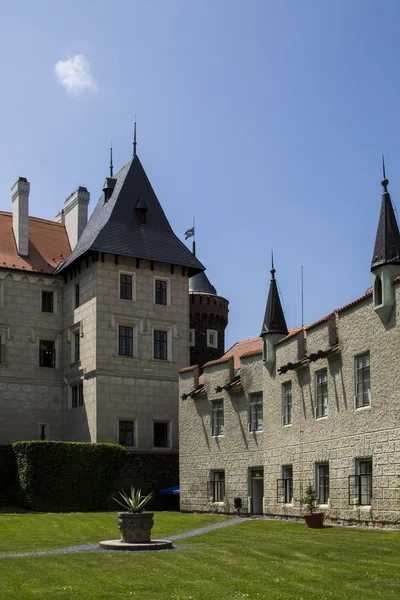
314 519
134 524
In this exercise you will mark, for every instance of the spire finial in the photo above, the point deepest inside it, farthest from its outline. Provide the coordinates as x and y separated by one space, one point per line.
384 181
111 161
272 264
134 138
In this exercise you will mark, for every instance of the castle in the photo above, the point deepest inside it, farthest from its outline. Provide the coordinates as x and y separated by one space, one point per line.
318 404
95 318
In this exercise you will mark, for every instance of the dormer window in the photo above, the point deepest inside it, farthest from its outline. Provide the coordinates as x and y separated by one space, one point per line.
141 211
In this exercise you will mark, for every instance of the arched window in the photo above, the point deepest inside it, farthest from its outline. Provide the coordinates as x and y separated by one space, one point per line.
378 291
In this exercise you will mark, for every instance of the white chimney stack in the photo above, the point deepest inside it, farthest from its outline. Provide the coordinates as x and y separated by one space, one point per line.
20 203
75 214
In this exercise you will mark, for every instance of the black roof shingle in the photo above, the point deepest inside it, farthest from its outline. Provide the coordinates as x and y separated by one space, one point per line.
114 226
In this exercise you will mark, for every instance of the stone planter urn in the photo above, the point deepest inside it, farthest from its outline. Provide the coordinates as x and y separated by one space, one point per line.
136 527
314 520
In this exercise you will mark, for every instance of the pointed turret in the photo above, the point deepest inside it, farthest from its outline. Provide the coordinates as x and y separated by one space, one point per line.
387 242
274 319
385 264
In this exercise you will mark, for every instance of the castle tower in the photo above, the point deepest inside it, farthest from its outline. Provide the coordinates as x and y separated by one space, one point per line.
385 265
208 320
274 325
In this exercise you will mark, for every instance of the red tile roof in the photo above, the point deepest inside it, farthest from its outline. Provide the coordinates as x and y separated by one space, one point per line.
48 245
236 352
186 369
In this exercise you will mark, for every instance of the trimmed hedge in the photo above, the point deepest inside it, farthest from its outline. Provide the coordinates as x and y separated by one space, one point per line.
8 476
66 476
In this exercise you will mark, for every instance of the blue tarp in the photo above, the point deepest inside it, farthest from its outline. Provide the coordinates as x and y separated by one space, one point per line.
170 490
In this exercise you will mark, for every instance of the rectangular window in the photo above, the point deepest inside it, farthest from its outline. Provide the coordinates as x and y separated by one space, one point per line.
125 341
217 485
77 298
322 473
363 383
287 403
321 394
126 436
2 349
77 348
256 412
360 485
77 395
161 291
47 353
284 486
161 434
191 337
217 418
47 301
212 338
161 345
125 287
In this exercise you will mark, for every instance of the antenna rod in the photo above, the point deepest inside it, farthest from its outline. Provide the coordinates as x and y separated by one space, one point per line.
302 297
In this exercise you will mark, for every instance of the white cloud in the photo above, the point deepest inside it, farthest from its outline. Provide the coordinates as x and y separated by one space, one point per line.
74 74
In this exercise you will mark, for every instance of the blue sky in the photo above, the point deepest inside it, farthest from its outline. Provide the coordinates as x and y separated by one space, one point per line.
265 120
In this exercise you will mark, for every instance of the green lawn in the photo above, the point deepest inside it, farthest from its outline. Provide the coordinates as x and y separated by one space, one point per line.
254 560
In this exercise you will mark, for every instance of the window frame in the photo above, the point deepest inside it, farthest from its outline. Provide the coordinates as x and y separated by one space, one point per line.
358 480
53 351
217 418
318 386
165 293
284 486
367 392
286 405
133 431
214 343
217 490
132 275
53 301
125 337
77 397
167 342
167 434
322 482
77 296
255 402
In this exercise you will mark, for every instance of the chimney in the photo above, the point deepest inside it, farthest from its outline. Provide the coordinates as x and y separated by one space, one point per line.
20 198
75 213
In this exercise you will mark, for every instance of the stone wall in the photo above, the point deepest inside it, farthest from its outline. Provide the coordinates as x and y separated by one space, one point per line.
343 437
30 395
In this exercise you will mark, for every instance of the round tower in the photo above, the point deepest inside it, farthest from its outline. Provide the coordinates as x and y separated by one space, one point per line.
208 320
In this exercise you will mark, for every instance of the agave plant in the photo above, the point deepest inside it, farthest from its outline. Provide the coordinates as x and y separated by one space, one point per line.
134 502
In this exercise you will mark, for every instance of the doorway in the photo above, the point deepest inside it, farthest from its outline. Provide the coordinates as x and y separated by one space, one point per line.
257 491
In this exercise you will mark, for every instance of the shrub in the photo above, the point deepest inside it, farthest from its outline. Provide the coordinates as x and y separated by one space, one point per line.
66 476
8 476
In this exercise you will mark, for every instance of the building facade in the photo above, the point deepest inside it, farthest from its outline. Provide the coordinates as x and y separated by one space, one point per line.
94 318
315 404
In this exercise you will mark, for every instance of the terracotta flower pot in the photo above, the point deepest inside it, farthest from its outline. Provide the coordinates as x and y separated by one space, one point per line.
314 520
135 528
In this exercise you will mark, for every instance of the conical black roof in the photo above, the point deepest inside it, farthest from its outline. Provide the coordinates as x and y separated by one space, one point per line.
115 228
200 284
387 242
274 319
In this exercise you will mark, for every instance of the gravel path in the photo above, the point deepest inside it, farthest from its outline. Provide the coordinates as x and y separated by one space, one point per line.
96 547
